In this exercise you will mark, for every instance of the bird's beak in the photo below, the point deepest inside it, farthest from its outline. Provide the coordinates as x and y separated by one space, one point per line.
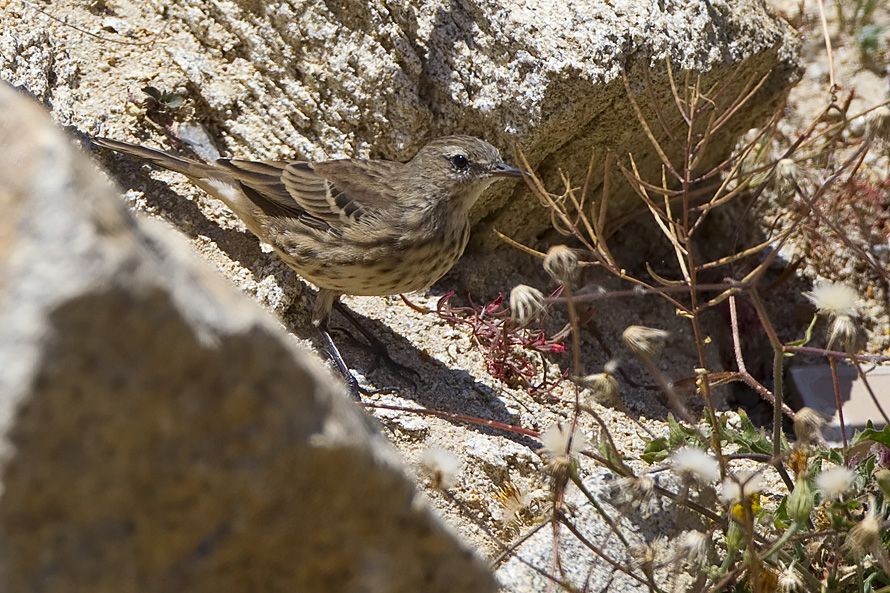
504 170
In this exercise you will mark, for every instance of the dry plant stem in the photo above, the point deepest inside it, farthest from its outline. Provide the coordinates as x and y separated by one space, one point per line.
827 38
573 475
508 551
743 373
563 520
497 541
778 382
835 383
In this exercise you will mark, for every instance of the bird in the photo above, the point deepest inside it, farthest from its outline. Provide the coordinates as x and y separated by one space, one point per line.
365 227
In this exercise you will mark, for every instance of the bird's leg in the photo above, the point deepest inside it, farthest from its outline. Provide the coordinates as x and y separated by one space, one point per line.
376 346
324 301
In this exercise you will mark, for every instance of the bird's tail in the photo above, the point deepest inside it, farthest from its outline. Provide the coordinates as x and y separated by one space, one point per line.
188 167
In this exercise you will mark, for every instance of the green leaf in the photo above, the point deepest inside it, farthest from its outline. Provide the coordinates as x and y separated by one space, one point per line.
655 451
870 434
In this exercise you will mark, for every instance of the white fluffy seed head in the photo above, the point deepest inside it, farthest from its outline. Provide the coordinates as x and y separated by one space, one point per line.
696 464
834 299
644 341
526 304
736 488
835 482
442 466
558 440
694 546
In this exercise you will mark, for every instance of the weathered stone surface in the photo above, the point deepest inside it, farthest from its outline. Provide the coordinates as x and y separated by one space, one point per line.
159 432
322 79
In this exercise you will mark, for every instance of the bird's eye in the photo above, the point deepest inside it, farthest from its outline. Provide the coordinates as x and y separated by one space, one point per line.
460 162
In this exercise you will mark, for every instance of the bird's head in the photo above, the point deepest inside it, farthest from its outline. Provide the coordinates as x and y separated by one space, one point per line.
462 166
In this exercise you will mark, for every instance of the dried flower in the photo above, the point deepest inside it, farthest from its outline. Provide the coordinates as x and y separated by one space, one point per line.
560 445
865 536
694 546
834 299
561 263
877 126
603 387
835 482
787 175
644 341
790 580
635 492
800 501
843 329
526 303
515 505
442 466
696 464
808 426
738 488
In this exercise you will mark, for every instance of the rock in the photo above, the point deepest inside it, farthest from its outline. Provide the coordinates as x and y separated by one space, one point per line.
379 78
159 432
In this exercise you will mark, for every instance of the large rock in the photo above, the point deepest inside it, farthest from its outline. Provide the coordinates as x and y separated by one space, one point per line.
159 432
313 78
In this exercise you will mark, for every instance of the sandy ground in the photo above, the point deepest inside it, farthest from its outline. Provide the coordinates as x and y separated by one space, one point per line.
452 371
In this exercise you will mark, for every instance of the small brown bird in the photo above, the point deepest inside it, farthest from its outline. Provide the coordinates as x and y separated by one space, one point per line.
353 226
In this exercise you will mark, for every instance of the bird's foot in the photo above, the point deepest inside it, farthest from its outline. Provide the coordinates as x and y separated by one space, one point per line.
355 388
377 349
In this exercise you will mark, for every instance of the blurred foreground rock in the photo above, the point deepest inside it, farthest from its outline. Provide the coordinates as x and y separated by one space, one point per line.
315 79
159 433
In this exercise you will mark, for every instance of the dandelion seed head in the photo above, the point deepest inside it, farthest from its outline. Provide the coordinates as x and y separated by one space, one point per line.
442 465
834 299
696 464
865 537
737 488
835 482
694 546
644 341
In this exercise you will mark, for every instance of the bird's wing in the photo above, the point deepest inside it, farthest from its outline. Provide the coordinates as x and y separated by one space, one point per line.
325 195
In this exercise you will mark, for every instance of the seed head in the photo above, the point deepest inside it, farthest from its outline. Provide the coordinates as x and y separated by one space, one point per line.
526 304
865 536
442 466
834 299
560 444
790 580
694 546
692 462
808 426
737 488
636 492
644 341
877 126
835 482
844 330
787 175
603 387
561 263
